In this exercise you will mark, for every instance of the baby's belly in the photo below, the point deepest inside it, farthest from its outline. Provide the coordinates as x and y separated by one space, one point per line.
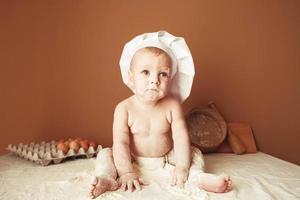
151 145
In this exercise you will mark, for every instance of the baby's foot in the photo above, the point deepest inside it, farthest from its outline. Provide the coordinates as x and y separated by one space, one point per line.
99 185
217 184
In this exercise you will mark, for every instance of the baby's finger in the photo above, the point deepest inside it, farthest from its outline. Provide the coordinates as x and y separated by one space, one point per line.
129 186
119 181
143 182
123 185
137 185
173 180
180 182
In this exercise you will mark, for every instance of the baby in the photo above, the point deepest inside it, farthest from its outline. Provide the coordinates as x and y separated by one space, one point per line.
151 124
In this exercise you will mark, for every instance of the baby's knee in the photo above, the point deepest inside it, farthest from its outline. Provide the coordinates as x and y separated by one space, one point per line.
197 158
104 153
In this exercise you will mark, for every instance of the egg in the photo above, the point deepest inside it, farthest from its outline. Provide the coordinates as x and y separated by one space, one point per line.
78 139
84 144
63 147
61 140
93 144
67 142
74 145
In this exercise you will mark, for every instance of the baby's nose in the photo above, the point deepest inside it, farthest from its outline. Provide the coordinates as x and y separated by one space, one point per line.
154 80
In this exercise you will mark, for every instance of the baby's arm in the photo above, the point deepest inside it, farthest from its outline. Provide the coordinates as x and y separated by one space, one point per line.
121 149
182 149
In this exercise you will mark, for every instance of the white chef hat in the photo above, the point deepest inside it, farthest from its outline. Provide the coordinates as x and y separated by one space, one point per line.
182 62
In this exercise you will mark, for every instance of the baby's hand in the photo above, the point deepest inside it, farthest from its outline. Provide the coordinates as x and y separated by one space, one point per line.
179 176
129 181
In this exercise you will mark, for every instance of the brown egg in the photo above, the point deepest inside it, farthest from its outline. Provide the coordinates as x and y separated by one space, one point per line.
78 139
67 143
93 144
74 145
84 144
63 147
85 140
61 140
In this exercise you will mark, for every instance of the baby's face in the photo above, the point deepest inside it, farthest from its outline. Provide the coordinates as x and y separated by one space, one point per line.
150 75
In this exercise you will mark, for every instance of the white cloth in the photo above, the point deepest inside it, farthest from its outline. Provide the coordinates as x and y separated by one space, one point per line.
182 62
255 176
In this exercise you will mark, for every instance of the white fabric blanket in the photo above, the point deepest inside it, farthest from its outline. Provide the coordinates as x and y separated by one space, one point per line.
255 176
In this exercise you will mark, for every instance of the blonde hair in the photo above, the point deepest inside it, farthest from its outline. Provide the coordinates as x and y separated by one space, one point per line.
154 51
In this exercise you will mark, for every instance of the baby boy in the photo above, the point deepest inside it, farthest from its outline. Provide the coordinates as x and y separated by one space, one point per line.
151 124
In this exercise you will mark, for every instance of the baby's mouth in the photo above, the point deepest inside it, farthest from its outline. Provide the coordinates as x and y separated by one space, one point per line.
153 90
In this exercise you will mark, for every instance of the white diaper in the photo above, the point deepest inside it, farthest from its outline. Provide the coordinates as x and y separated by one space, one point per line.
150 163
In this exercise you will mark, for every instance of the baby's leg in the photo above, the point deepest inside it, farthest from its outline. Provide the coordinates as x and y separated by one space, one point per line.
206 181
105 174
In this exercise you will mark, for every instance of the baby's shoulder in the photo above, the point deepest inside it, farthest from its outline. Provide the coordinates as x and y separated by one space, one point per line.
124 105
171 102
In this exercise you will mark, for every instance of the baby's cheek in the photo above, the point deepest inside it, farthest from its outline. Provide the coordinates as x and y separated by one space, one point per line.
166 88
168 83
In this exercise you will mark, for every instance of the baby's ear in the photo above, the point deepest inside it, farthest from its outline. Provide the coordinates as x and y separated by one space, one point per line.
130 78
129 75
130 81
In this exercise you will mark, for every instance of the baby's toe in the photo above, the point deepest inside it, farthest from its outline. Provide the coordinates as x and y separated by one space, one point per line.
94 180
229 182
92 187
225 177
91 195
228 187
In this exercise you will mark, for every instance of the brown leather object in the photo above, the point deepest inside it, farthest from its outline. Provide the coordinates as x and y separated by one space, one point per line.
242 132
235 143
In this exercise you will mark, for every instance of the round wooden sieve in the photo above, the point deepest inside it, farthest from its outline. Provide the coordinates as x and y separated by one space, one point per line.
207 127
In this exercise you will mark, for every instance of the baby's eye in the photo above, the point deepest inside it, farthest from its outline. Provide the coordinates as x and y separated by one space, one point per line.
145 72
163 74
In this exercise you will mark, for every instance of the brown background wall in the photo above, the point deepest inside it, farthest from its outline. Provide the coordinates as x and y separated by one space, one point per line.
60 77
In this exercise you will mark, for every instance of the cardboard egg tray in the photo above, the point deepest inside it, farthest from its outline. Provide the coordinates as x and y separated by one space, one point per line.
47 153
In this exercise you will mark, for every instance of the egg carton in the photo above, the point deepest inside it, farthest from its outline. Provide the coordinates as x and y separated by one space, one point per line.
46 153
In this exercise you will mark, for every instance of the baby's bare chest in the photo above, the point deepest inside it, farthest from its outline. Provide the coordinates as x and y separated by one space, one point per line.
148 123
